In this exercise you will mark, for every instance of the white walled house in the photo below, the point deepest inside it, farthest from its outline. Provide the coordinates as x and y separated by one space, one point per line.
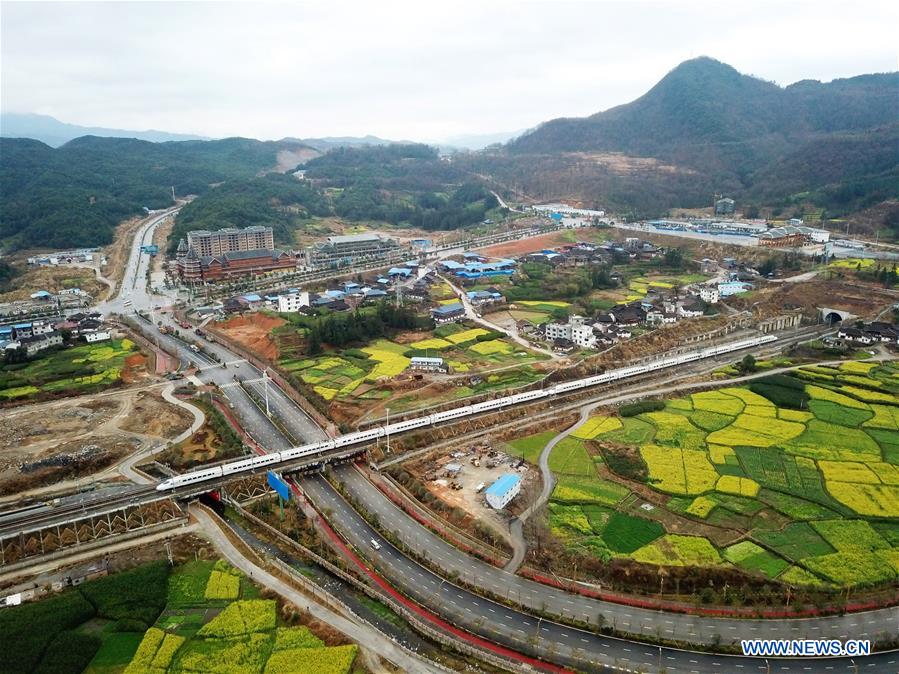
292 302
708 294
575 330
96 336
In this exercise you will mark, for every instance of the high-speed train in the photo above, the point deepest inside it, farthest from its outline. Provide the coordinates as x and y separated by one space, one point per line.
255 463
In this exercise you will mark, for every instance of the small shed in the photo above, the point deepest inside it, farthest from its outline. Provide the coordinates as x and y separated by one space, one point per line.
501 492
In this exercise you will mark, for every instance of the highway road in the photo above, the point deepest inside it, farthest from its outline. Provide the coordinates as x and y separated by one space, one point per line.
527 633
559 642
132 286
537 596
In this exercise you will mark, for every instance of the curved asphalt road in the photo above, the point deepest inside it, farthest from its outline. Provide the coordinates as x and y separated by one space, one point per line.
537 596
525 633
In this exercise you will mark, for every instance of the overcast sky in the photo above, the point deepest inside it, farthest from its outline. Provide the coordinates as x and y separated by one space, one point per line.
421 70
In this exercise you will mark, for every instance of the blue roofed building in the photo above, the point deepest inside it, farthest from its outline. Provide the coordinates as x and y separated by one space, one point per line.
448 313
501 492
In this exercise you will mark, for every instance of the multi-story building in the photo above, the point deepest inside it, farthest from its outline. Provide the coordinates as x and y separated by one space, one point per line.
708 294
292 302
343 251
575 330
229 240
724 206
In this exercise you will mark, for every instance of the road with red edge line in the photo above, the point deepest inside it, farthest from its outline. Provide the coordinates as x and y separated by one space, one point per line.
432 618
561 639
427 615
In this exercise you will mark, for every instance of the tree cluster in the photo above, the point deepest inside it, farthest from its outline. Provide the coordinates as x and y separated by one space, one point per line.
360 326
274 200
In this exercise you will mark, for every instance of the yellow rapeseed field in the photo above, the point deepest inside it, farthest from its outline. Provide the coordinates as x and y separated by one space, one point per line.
595 426
741 486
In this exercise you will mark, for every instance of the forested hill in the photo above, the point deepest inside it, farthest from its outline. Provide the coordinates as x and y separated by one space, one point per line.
708 102
709 129
400 183
76 194
275 200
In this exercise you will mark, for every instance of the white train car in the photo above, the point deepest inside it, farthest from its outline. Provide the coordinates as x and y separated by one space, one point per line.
440 417
409 424
244 465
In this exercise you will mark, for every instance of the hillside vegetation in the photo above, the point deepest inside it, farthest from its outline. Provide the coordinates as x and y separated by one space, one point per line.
274 200
397 183
706 129
75 195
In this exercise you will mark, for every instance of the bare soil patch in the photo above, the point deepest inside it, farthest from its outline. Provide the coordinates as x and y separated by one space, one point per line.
45 443
151 415
623 164
72 459
253 333
524 246
29 430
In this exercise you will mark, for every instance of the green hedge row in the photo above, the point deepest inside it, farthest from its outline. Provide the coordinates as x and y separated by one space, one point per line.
633 409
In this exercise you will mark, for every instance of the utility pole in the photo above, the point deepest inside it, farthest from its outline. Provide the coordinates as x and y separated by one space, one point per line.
388 430
268 412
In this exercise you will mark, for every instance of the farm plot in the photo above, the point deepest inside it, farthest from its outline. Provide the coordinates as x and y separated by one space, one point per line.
797 541
530 446
738 459
389 357
679 471
577 490
677 550
80 369
596 426
569 457
244 637
747 555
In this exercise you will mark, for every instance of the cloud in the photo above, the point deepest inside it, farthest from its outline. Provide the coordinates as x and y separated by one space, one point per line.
413 70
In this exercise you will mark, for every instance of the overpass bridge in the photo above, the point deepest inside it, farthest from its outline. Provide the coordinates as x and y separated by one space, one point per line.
45 529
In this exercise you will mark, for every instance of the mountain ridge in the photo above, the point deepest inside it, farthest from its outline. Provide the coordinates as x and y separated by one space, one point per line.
732 132
56 133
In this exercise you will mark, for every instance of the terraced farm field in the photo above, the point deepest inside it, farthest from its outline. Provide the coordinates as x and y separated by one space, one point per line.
794 478
202 616
80 369
357 375
215 622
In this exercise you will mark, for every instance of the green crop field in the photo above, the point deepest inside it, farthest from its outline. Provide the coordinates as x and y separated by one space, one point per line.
626 534
813 487
357 375
569 457
529 447
79 369
150 620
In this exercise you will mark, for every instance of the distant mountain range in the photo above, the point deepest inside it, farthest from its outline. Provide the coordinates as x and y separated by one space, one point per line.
54 133
706 129
703 130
